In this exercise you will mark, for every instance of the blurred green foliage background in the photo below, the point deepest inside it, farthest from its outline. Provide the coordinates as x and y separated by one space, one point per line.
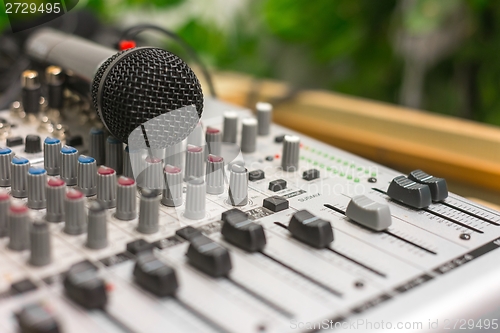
438 55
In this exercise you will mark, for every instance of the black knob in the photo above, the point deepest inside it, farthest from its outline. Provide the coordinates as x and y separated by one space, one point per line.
33 144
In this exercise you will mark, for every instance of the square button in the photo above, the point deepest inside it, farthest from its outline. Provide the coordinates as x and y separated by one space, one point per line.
275 203
277 185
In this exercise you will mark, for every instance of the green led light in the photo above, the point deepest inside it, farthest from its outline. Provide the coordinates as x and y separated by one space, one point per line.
335 171
328 168
339 160
346 163
321 165
319 152
315 163
360 168
309 160
313 150
325 155
374 174
352 166
332 158
356 180
342 174
349 176
302 157
367 171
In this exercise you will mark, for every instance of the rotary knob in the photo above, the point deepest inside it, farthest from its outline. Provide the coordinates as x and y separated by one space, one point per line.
194 162
238 185
172 194
114 154
4 212
230 127
96 147
76 215
248 135
68 164
87 175
41 252
6 155
19 173
153 174
19 223
213 137
125 199
290 155
55 190
37 177
195 199
51 158
106 186
149 212
264 117
97 229
215 174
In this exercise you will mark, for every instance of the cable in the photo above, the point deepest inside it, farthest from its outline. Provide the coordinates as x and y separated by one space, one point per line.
132 32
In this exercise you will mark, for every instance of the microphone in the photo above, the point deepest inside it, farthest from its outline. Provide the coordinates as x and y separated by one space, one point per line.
144 96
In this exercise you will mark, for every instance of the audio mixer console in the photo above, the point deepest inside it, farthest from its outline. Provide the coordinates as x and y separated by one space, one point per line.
290 234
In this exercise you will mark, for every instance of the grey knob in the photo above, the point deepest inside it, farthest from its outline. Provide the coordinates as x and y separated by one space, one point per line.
125 199
51 156
195 138
69 156
290 154
19 167
76 216
87 175
97 228
264 117
173 155
172 194
55 191
128 171
238 185
248 135
215 174
106 186
19 224
4 212
96 146
114 154
371 214
230 127
194 162
153 174
195 199
37 178
41 251
213 137
149 212
6 155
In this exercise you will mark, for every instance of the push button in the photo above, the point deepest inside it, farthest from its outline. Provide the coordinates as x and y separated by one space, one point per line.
277 185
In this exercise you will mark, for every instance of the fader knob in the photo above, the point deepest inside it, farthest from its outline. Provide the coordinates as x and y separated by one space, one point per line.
215 174
76 216
264 117
19 224
96 146
97 228
154 275
51 157
37 178
172 194
6 155
149 211
230 127
33 144
248 135
84 287
290 155
55 190
310 229
125 199
213 138
68 164
37 318
238 185
209 257
195 199
240 231
114 154
4 212
106 186
194 162
438 186
371 214
41 252
19 177
409 192
87 175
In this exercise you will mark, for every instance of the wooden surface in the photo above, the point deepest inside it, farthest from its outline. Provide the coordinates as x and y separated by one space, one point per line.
465 152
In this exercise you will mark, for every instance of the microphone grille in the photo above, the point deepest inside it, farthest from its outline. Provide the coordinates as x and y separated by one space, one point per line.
137 85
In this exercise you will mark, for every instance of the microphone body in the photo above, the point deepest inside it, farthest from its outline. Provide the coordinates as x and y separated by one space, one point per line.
145 96
82 57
